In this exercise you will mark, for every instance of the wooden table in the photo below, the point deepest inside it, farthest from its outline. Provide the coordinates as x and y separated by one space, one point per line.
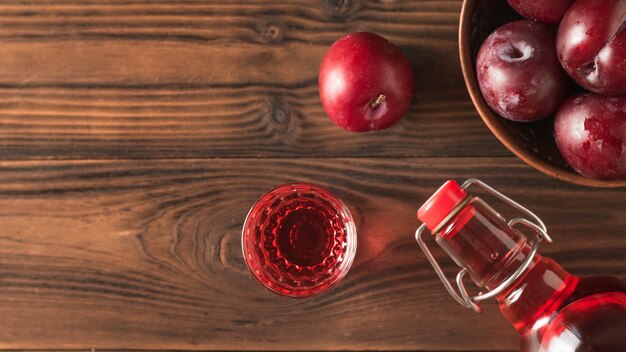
136 134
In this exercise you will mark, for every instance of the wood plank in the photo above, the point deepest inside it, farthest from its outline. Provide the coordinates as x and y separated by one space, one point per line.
164 350
210 122
146 254
168 79
253 21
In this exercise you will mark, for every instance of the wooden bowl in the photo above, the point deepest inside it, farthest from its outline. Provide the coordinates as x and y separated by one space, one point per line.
532 142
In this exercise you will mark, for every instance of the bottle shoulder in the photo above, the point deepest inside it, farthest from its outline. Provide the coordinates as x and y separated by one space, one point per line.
591 318
596 322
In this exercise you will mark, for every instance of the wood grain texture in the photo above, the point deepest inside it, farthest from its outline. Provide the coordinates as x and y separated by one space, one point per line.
147 254
168 79
166 119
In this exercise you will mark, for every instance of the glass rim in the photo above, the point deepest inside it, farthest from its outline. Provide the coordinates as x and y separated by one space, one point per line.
340 270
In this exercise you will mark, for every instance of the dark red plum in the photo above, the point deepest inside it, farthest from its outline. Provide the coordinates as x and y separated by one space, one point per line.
590 131
365 82
545 11
518 71
591 44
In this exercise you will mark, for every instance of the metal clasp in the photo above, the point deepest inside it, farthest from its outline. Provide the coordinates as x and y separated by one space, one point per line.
463 297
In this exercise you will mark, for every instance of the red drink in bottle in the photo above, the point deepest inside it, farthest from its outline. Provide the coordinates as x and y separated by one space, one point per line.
553 310
299 240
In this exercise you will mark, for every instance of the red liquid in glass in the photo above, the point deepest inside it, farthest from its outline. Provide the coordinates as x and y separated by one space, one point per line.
302 241
299 240
552 310
303 237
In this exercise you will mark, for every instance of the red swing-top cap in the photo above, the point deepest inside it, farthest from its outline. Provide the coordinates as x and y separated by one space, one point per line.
440 204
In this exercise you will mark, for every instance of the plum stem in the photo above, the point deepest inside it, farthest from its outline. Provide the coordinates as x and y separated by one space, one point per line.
381 98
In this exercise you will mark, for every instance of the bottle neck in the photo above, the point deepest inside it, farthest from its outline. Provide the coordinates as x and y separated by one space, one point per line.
480 240
543 287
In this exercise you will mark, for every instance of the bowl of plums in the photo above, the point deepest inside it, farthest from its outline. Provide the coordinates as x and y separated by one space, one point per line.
548 77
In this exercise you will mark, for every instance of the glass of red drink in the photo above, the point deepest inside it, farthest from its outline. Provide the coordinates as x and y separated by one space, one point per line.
299 240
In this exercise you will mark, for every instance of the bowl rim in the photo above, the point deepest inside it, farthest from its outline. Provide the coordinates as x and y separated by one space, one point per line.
488 116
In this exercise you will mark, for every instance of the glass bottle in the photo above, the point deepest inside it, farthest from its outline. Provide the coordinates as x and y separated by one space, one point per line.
551 309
